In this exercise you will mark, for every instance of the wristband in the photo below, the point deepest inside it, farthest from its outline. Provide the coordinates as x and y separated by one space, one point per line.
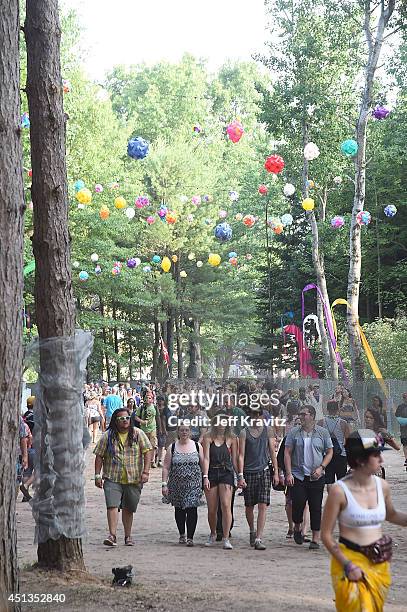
347 568
163 484
205 476
241 475
98 477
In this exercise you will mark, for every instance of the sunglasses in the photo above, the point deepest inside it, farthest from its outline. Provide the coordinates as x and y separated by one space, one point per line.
127 418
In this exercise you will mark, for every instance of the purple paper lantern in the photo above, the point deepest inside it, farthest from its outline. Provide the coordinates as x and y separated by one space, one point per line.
380 112
337 222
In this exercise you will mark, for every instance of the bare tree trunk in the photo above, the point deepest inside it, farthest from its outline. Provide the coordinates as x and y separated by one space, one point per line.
331 365
194 369
130 358
156 349
54 301
170 340
11 291
374 35
116 343
180 359
105 340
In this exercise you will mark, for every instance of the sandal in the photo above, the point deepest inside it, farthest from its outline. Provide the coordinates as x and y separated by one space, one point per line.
110 540
290 533
128 541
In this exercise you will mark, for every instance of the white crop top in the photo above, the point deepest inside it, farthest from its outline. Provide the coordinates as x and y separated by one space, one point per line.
356 516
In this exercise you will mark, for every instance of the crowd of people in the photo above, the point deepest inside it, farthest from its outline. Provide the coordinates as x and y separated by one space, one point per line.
295 442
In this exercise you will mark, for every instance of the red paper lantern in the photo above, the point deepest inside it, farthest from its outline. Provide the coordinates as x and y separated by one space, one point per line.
274 164
235 131
263 190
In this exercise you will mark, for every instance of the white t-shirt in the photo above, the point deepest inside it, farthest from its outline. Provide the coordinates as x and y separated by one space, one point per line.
308 457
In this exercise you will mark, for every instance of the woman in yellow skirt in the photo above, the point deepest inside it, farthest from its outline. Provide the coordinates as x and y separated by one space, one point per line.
360 502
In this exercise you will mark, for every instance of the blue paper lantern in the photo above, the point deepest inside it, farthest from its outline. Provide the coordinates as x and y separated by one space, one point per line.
287 219
79 185
25 120
223 232
390 210
349 147
156 259
83 276
137 148
232 254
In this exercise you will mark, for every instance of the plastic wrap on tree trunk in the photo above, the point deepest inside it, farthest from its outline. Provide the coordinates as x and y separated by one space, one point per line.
60 435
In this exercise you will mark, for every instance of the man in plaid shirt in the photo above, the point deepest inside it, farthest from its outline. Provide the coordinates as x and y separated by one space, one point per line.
125 453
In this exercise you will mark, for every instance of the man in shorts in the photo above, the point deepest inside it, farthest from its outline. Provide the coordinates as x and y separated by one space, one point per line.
125 453
256 450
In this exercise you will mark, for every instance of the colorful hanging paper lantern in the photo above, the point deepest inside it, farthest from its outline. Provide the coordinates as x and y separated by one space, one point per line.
263 190
223 232
208 221
223 214
308 204
207 198
116 271
141 202
183 274
66 86
94 257
214 259
156 259
310 184
166 264
349 147
183 199
150 219
130 213
171 217
84 196
249 256
98 188
25 120
288 190
287 219
234 196
235 131
30 173
147 269
337 180
120 203
138 261
131 263
191 256
81 206
78 185
174 258
98 270
273 222
199 263
337 222
233 261
190 218
197 129
196 199
274 164
137 148
83 276
311 151
363 217
380 112
232 254
278 229
249 220
104 213
114 186
390 210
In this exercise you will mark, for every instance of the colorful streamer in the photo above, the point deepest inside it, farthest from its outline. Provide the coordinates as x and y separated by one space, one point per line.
328 319
366 346
307 370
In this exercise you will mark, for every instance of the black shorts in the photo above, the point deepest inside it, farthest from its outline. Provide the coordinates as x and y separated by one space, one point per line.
217 476
258 487
336 469
95 420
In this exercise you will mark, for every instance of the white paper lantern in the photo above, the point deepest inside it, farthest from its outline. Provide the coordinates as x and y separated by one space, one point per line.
288 190
75 264
337 180
311 151
130 212
94 257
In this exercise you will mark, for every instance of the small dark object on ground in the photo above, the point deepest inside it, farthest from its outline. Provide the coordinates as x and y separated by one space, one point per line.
123 576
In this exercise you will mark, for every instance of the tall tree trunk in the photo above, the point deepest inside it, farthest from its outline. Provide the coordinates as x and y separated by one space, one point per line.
11 291
116 343
374 35
156 349
180 359
170 339
105 340
61 450
130 358
328 352
194 369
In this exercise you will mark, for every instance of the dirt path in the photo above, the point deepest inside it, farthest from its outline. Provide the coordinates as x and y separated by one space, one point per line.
170 576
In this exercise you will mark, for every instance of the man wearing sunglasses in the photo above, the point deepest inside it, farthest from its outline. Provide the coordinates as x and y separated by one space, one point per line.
125 453
308 450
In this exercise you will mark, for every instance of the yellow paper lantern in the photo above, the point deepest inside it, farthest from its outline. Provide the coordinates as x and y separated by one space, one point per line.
214 259
239 217
120 203
104 213
308 204
166 264
174 258
183 274
84 196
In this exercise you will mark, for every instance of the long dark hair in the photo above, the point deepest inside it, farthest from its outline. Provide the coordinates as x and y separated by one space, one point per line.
113 432
377 419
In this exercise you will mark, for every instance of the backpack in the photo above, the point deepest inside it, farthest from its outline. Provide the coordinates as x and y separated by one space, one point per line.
336 446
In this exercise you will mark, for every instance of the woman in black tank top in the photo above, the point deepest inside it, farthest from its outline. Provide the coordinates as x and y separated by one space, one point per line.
220 461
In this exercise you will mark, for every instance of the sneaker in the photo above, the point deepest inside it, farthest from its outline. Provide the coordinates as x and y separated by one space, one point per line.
252 538
211 540
160 464
154 465
258 545
128 541
110 540
227 545
182 539
298 537
314 546
190 542
26 494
